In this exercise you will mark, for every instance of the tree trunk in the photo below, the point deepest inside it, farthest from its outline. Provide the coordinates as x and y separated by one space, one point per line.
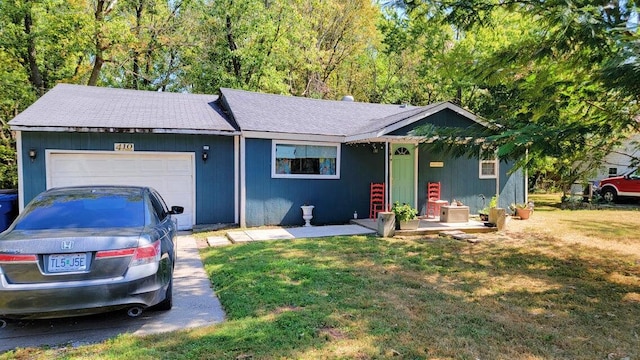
99 43
136 52
35 76
233 47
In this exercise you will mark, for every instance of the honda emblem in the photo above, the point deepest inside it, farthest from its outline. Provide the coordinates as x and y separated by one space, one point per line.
67 245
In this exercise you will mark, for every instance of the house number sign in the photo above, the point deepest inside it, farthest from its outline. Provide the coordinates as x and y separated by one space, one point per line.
123 147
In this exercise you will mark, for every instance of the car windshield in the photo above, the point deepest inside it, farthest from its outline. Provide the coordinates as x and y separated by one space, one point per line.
95 209
635 174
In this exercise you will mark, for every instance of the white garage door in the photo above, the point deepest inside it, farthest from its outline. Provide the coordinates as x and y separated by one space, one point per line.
172 174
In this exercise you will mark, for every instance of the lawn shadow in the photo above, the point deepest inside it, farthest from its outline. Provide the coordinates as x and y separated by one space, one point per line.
367 297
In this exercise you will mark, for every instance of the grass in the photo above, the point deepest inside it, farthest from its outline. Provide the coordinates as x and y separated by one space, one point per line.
562 285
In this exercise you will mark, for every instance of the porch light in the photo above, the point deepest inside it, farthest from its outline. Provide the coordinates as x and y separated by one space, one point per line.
205 153
33 153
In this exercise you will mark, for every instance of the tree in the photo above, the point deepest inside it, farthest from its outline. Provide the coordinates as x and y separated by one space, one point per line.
45 37
15 95
308 48
544 87
41 43
141 40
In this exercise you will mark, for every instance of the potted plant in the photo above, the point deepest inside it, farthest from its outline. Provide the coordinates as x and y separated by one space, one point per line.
484 213
406 216
522 210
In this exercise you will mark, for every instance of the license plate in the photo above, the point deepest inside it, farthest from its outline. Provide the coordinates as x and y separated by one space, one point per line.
67 262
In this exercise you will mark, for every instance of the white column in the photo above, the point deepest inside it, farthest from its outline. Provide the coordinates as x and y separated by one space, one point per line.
387 178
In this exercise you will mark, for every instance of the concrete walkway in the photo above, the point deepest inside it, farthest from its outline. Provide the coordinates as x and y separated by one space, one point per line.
242 236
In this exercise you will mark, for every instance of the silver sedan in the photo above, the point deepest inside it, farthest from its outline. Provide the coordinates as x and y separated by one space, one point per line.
85 250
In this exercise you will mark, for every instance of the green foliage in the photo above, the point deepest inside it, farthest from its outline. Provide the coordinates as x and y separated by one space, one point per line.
404 212
537 70
493 203
557 81
314 49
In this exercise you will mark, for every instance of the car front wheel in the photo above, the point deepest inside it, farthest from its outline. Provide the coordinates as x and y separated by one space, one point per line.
609 195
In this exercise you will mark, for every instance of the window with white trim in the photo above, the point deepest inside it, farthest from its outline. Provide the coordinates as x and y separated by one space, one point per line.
488 168
305 160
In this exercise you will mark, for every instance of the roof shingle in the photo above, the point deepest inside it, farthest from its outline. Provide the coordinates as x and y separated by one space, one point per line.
296 115
75 106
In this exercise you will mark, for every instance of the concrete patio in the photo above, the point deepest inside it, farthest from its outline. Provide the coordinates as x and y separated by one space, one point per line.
431 226
249 235
357 227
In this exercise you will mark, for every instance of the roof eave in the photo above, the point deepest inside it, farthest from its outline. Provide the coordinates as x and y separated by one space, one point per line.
378 134
408 139
124 130
249 134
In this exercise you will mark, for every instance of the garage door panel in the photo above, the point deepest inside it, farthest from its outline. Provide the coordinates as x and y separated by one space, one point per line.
120 166
171 174
179 166
155 166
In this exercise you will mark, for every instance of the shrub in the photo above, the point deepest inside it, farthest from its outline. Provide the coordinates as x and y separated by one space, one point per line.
404 212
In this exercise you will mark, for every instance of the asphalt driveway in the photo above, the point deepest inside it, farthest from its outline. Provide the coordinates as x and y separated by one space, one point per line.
194 305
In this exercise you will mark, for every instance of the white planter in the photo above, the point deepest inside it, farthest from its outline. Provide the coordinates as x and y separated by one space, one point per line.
307 214
410 224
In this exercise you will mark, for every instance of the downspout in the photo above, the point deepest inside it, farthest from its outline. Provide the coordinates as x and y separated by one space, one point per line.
20 171
243 183
416 161
498 180
236 179
526 177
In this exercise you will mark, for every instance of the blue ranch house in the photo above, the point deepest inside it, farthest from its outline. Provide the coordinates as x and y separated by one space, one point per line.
251 158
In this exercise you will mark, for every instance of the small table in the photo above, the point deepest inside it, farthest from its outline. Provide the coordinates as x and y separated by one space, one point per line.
454 214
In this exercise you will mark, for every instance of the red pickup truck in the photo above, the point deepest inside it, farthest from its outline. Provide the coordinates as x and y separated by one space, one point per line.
613 188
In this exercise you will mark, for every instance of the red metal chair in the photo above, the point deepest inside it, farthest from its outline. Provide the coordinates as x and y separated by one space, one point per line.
433 200
376 198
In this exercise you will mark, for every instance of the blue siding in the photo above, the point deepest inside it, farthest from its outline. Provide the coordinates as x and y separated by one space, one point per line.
214 178
512 185
444 118
460 180
277 201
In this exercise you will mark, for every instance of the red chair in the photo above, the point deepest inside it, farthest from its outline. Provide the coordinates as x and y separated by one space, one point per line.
433 200
376 198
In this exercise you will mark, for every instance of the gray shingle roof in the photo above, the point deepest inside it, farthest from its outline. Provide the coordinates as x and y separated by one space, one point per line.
296 115
88 107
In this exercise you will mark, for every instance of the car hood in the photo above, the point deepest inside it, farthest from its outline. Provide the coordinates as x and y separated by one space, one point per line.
610 179
45 241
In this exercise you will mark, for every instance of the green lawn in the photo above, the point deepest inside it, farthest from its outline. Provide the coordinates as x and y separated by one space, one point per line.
564 284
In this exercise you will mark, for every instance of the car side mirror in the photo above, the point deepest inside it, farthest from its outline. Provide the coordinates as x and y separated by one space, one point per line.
175 210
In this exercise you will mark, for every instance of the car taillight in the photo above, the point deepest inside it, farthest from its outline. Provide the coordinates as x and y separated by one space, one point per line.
17 258
115 253
147 254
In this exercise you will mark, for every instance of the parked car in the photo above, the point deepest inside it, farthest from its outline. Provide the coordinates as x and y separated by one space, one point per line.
86 250
626 186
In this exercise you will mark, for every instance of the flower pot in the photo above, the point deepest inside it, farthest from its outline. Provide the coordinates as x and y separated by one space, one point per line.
523 213
409 224
307 214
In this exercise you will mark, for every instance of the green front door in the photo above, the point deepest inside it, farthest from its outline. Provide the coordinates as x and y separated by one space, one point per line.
403 174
